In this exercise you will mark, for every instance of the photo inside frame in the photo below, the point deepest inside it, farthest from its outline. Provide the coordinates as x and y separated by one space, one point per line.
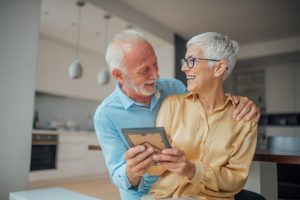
154 140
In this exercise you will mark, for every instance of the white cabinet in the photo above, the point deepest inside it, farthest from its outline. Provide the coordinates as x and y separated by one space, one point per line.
71 147
71 154
280 88
279 92
75 158
94 159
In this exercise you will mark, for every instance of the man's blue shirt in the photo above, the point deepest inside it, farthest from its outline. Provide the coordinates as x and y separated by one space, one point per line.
118 111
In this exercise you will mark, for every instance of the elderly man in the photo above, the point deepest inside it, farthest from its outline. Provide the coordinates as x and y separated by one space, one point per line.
135 103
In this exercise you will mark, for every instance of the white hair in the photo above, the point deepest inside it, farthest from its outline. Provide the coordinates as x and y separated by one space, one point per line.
115 54
217 46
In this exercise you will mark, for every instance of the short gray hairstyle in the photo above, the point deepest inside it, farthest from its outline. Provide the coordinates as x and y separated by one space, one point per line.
217 46
115 54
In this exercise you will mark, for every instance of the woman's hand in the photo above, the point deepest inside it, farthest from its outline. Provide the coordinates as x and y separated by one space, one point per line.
174 160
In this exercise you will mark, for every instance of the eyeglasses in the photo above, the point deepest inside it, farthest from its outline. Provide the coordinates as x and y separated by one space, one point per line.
190 62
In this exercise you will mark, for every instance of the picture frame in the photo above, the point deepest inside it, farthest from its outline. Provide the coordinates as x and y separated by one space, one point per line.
154 137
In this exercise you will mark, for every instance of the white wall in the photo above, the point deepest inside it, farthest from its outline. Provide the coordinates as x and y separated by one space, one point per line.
19 22
268 48
52 72
166 60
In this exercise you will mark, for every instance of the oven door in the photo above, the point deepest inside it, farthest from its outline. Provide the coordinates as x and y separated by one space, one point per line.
43 152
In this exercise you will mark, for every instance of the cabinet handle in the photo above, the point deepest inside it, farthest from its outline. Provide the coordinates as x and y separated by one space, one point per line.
95 148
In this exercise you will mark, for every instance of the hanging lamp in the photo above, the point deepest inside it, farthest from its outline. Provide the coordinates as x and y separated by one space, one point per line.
75 69
103 76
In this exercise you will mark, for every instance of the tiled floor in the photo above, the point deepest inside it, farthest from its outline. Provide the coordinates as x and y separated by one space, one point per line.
100 188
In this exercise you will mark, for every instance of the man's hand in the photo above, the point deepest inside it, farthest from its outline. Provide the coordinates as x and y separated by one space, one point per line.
138 159
174 160
245 109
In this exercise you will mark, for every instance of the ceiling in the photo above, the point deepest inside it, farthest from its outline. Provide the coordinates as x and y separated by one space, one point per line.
246 21
59 21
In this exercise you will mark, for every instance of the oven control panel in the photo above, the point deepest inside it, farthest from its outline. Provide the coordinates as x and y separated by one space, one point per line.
44 139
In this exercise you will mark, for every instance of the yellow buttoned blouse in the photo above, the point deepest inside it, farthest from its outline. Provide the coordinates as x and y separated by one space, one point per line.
221 148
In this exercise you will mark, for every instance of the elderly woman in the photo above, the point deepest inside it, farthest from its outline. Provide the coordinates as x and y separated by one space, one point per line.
211 152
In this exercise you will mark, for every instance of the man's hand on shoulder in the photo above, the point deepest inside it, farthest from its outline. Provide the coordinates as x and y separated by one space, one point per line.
246 109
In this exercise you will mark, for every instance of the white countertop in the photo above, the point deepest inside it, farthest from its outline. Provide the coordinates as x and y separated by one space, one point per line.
49 194
57 132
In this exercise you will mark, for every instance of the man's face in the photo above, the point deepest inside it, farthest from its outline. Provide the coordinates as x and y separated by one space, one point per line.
141 69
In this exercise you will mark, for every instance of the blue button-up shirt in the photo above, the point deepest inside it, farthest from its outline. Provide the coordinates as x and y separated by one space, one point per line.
118 111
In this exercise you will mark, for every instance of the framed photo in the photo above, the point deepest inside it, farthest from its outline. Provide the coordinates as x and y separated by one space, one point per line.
154 137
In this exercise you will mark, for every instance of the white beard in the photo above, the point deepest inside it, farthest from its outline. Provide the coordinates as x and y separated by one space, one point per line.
140 89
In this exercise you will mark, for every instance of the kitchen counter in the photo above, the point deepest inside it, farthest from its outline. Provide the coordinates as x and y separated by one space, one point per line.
57 132
278 156
265 155
280 149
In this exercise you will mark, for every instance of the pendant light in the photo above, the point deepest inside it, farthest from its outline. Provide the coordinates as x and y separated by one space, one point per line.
103 76
75 69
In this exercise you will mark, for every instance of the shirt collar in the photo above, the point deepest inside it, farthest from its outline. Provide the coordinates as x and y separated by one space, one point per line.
229 99
127 102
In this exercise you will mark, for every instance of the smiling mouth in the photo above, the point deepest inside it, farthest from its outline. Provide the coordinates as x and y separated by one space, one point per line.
149 84
188 78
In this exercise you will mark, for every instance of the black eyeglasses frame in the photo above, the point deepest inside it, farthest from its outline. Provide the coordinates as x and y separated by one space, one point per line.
187 61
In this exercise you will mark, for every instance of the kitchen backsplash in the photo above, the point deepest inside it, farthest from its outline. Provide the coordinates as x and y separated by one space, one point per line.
280 119
64 112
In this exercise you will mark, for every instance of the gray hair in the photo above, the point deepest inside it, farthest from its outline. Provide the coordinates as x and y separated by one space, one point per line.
217 46
115 54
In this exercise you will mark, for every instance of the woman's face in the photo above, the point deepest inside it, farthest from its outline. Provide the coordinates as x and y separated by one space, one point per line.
200 77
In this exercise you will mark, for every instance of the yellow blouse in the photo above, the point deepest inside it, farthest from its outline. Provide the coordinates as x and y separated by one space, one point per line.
221 148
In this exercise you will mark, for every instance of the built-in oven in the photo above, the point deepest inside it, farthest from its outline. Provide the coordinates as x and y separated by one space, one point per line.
43 151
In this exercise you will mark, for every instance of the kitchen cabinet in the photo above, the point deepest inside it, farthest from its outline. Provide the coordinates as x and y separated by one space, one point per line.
280 88
297 86
272 83
71 154
93 158
274 87
251 84
74 159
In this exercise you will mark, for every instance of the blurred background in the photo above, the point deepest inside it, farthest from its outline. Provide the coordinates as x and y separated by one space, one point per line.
42 102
